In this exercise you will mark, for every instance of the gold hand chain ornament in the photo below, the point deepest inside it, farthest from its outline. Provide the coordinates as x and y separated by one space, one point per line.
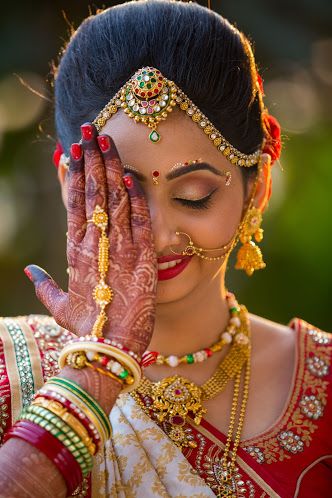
102 293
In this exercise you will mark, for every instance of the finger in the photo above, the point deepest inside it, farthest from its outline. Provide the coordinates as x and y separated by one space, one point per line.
76 216
118 202
95 175
140 215
48 293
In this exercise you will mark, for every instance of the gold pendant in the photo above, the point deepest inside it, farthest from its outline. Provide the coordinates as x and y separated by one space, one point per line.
176 397
172 399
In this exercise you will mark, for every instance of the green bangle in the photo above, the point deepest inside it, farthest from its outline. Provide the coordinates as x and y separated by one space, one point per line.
105 428
46 425
58 428
64 430
65 438
77 389
73 387
82 406
85 467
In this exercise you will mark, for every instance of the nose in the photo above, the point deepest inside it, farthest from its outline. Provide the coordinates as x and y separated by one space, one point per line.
163 229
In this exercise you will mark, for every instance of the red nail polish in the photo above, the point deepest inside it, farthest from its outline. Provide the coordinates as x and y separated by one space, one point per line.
28 274
87 131
76 151
128 181
104 143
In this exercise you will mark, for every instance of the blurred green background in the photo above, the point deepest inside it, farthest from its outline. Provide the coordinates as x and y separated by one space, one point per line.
293 45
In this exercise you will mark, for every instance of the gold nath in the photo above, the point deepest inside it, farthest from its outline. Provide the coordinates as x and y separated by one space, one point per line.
148 97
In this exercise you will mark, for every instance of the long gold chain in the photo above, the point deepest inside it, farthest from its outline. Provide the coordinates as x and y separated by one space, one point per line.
231 367
233 362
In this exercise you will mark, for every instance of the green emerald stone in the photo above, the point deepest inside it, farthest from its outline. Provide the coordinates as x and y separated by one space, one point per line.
139 78
234 310
153 80
154 136
190 358
151 74
124 374
141 84
149 85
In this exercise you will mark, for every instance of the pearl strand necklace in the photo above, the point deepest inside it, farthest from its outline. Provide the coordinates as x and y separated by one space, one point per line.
226 337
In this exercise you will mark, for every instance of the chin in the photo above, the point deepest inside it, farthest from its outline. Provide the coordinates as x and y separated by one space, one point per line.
180 287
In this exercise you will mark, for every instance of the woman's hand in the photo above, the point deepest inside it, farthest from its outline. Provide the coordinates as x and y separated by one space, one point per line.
96 178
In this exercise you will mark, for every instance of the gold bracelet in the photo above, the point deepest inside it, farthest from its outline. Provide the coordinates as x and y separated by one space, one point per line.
62 412
105 372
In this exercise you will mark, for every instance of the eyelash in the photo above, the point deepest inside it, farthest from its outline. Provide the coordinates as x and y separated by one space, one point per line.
203 203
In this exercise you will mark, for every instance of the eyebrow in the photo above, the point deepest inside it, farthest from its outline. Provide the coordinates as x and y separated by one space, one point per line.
181 170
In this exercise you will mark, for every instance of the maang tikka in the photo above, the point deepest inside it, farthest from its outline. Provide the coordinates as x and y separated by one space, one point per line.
148 97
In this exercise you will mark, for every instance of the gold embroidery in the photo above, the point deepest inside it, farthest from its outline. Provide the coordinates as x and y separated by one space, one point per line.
51 338
184 475
158 488
298 425
4 415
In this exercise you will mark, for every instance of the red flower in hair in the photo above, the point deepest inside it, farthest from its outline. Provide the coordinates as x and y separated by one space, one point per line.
272 137
260 83
57 154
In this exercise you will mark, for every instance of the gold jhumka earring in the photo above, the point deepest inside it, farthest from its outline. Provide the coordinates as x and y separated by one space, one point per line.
249 256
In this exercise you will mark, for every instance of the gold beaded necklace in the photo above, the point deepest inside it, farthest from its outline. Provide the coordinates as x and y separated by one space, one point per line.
170 400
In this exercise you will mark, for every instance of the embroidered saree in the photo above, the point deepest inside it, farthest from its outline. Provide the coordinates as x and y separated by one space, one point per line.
293 458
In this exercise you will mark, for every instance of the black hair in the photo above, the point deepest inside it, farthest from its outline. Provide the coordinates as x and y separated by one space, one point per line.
206 56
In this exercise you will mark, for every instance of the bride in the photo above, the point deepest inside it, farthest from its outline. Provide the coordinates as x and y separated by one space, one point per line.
147 378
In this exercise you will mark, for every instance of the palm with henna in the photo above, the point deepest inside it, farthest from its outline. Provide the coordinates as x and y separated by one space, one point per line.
96 178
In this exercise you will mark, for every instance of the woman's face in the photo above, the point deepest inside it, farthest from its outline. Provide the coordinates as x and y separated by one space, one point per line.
198 202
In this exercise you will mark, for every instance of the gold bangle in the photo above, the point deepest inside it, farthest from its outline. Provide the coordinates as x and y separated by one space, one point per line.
131 365
86 410
62 412
105 372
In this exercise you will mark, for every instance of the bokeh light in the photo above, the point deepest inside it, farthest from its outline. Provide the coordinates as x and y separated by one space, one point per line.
294 57
19 106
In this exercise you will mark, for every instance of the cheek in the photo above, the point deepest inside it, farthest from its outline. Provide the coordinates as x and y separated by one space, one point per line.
217 225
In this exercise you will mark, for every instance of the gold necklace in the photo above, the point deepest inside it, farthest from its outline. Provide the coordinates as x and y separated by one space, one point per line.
172 398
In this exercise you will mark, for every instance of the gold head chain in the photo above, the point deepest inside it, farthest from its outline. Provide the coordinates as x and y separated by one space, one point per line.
149 97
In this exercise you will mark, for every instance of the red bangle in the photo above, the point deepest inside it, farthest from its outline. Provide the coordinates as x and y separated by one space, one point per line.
93 433
48 444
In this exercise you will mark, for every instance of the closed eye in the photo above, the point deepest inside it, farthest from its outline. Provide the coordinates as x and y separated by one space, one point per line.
202 203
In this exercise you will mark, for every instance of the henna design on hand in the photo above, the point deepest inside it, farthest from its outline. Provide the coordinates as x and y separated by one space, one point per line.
97 178
26 472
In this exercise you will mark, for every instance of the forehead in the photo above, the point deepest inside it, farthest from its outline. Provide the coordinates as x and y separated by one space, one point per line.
181 140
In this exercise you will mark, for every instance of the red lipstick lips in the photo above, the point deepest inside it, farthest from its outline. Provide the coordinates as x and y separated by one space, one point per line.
172 272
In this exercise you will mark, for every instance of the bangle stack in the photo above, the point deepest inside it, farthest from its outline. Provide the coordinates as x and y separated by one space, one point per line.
66 424
52 447
64 421
119 363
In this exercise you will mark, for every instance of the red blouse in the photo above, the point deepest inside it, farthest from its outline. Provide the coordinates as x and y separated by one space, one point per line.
293 458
